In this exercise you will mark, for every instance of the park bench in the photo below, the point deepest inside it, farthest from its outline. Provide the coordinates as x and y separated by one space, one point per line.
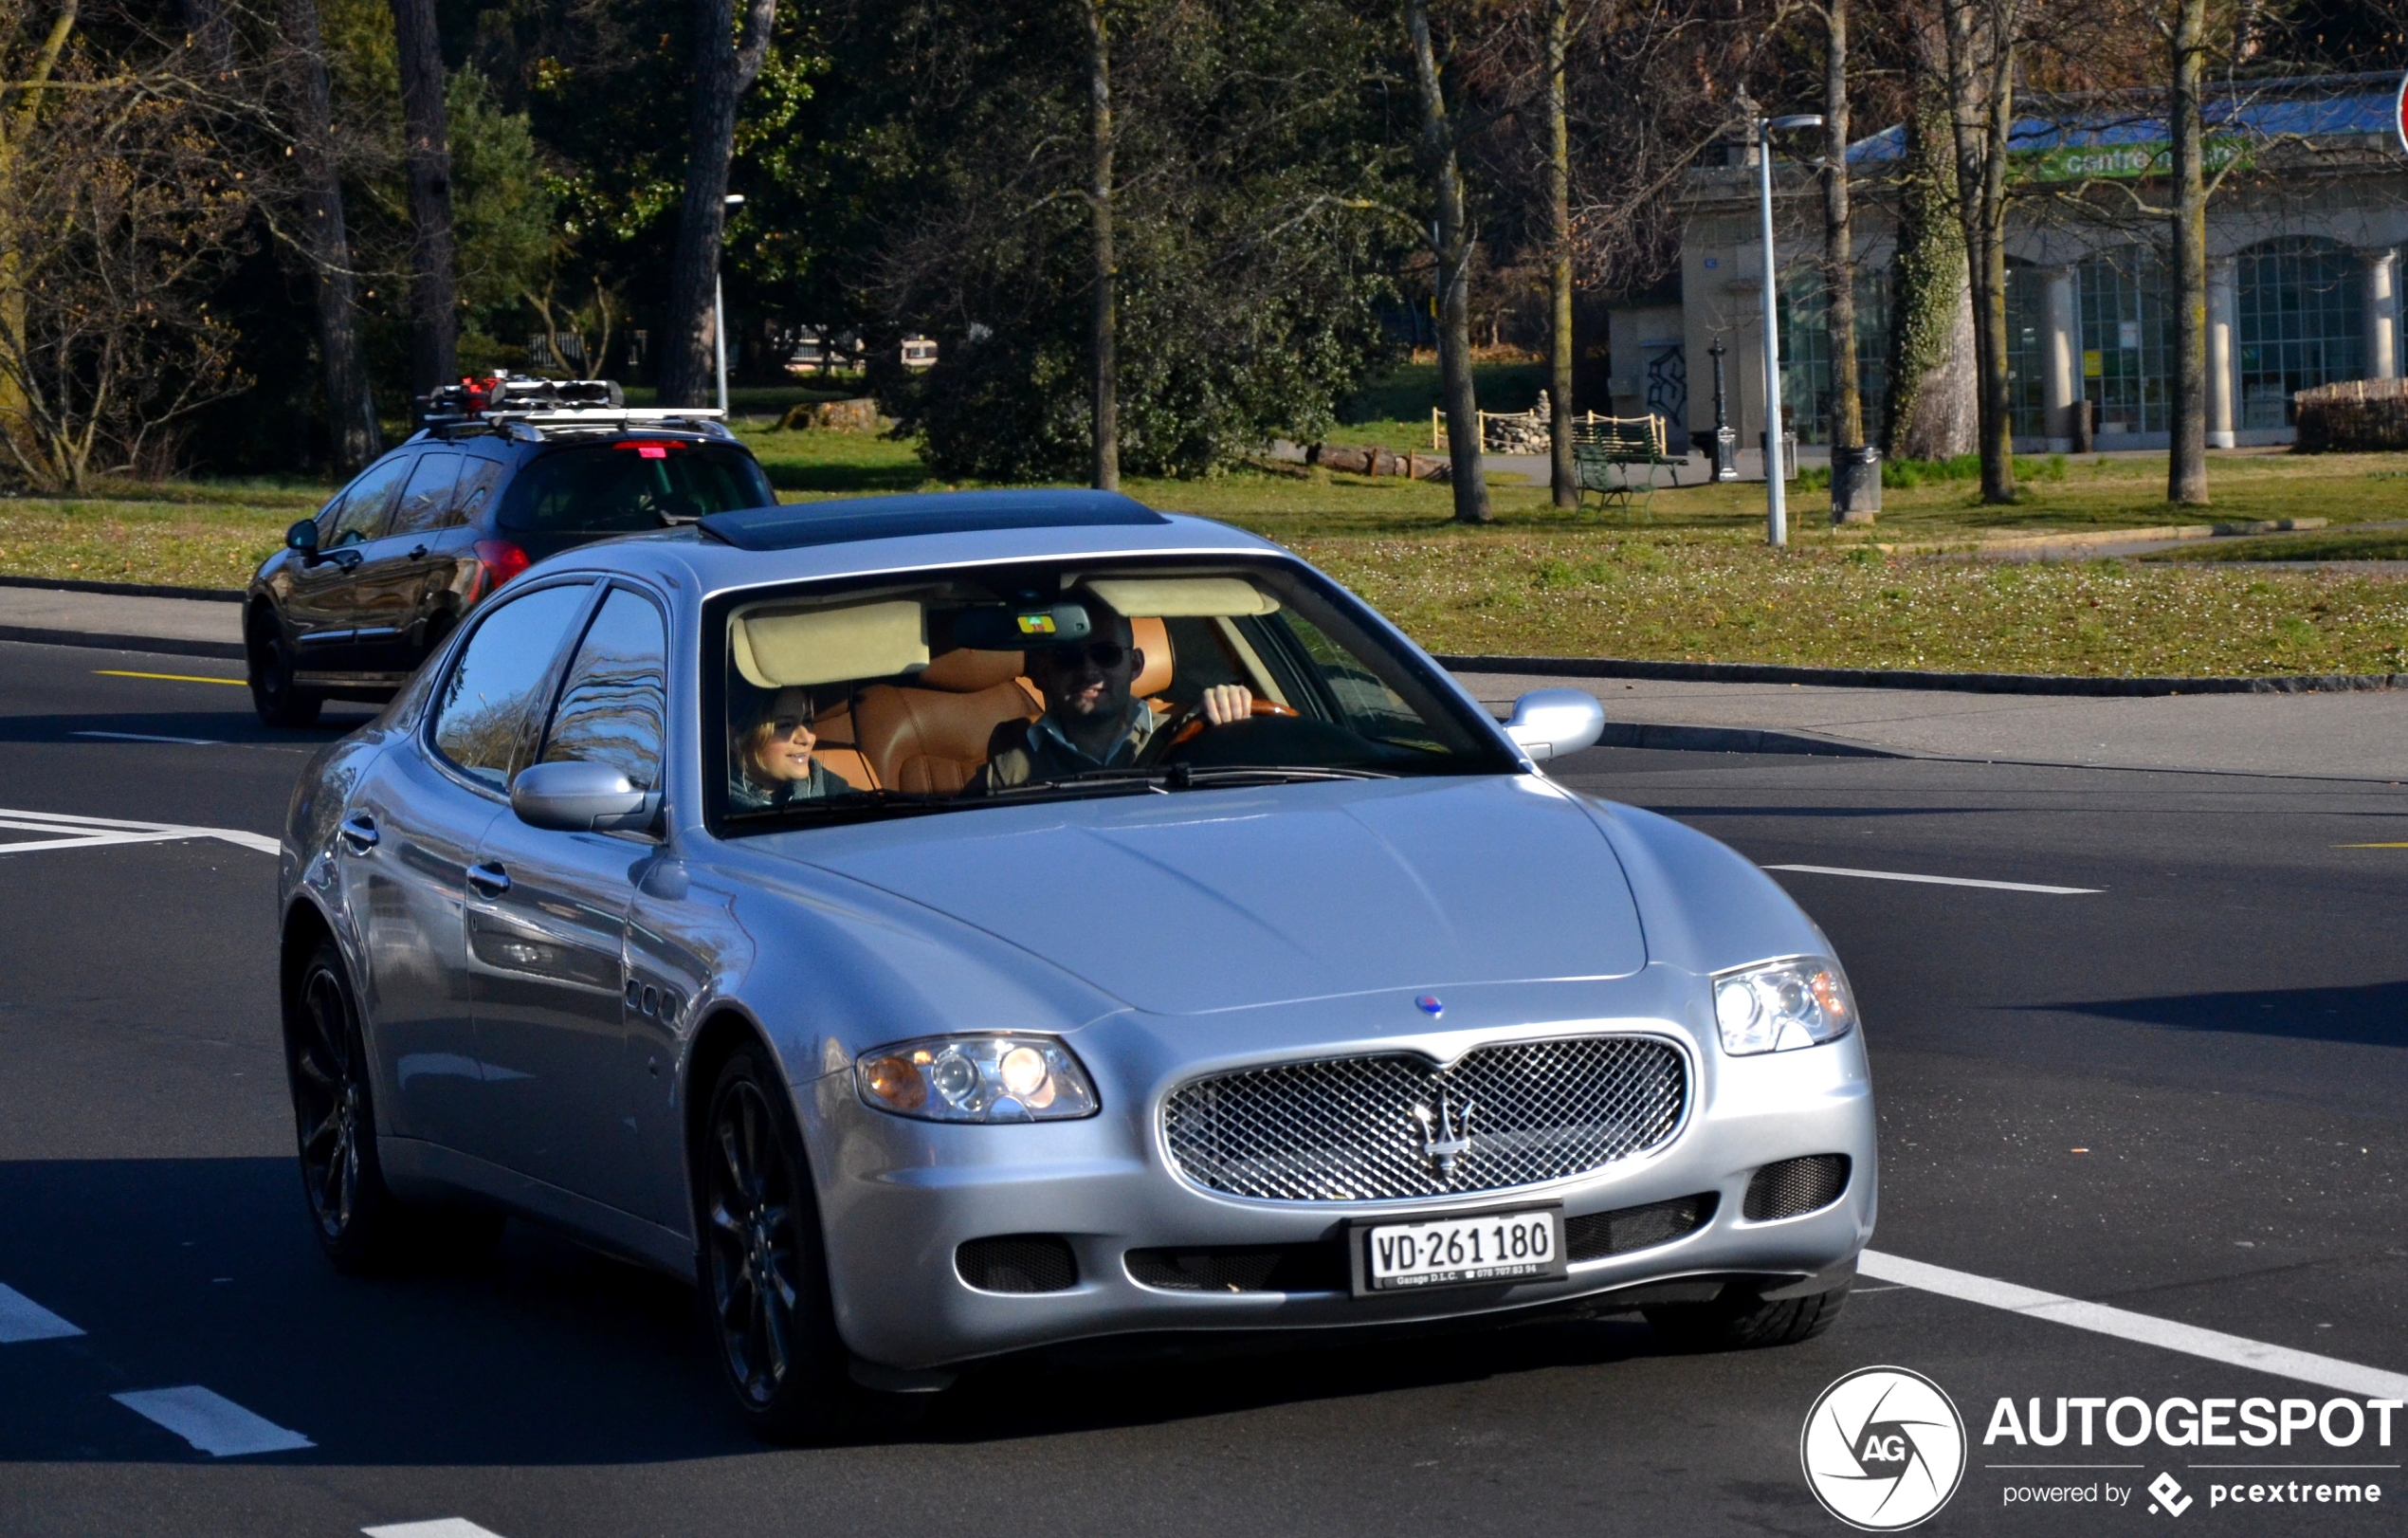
1617 458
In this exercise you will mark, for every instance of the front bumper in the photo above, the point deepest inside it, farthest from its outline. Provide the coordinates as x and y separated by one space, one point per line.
899 1196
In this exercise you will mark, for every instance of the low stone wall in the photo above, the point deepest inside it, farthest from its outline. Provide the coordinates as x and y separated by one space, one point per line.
1373 461
835 416
2353 415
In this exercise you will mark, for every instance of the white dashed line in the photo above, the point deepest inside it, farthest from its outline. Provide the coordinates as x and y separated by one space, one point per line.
100 833
22 1319
2214 1346
451 1526
145 737
1938 880
212 1422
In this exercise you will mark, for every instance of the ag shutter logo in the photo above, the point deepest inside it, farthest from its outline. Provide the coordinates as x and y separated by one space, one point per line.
1882 1449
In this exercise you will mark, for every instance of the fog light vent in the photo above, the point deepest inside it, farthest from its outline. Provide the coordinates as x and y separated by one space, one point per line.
1796 1186
1602 1234
1017 1263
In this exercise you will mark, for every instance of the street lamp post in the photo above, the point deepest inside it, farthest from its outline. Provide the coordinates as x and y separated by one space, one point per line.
1776 492
719 307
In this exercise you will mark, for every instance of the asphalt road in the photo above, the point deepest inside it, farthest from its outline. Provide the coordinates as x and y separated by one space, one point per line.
2180 1094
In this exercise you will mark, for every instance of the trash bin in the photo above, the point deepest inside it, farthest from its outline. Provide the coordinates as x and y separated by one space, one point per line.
1855 485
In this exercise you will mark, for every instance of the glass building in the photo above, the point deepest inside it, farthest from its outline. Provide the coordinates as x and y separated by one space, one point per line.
2127 339
1806 374
2300 322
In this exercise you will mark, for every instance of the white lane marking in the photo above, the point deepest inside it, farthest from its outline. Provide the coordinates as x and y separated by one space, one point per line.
1938 880
93 832
22 1319
212 1422
451 1526
2214 1346
145 737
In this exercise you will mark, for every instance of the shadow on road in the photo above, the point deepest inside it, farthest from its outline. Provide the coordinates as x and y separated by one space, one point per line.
2374 1014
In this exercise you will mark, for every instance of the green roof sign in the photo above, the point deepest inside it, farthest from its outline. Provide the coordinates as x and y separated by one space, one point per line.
2091 162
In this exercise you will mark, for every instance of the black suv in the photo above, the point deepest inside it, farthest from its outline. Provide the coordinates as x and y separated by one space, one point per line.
505 473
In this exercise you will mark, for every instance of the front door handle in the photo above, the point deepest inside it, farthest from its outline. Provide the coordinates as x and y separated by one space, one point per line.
358 833
419 554
488 880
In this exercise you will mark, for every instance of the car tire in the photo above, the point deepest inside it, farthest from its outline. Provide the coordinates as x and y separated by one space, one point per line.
1747 1322
278 700
360 1224
762 1267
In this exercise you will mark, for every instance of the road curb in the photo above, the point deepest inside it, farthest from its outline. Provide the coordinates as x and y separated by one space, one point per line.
1735 740
123 590
158 645
1901 678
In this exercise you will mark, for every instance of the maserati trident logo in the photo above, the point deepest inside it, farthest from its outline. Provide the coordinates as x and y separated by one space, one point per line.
1445 1135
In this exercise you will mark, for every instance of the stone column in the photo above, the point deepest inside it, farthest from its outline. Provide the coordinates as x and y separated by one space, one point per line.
2061 358
2382 314
2223 304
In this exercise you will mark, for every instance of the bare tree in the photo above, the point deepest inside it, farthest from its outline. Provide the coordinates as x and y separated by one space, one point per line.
1563 474
1453 250
724 71
1931 364
1102 328
324 243
1849 501
434 308
2187 462
1982 41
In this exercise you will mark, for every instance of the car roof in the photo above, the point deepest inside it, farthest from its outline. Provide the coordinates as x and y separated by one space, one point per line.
870 536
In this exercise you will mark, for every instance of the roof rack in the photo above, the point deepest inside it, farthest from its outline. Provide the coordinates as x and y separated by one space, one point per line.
517 407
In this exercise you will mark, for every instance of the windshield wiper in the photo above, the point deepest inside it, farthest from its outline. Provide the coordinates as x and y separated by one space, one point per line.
1180 776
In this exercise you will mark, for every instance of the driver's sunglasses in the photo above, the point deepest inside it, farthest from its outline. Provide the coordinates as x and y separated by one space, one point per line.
1102 653
784 725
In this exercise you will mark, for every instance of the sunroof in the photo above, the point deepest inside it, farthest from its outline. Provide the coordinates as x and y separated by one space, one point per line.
796 525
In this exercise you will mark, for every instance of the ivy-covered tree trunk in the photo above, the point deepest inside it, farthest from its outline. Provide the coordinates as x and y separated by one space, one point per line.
1931 355
1454 257
2186 465
1563 474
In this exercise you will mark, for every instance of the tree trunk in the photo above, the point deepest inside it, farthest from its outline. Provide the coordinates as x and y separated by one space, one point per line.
209 33
434 311
1931 370
1103 321
2186 465
1562 474
1839 251
18 110
1453 250
351 407
723 73
1981 44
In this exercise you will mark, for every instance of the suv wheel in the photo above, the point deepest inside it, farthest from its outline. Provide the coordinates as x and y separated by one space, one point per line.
279 701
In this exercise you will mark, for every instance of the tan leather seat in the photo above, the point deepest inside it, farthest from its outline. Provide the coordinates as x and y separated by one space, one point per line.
931 737
1152 637
839 750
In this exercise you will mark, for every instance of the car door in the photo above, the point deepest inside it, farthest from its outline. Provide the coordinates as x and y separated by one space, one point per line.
321 611
547 927
455 573
409 835
388 587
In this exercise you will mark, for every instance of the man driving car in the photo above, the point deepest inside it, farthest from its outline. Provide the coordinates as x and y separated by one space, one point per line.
1090 720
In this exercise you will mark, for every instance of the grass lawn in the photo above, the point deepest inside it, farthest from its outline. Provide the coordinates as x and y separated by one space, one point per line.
1695 581
2321 545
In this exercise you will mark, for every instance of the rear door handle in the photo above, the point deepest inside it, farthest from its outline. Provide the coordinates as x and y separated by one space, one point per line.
358 833
488 880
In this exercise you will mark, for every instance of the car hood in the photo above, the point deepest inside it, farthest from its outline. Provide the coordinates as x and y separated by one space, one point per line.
1227 899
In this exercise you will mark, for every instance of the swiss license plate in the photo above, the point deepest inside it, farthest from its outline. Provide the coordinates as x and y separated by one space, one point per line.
1459 1252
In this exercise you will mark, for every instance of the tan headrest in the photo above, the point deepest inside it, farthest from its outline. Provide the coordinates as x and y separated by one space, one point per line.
965 672
1152 637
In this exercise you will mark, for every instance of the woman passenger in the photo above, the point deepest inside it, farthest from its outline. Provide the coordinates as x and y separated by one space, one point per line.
772 764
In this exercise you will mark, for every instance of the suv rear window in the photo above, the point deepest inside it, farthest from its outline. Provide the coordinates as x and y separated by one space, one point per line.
614 488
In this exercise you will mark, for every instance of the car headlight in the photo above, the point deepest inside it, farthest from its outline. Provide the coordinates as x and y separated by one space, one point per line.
998 1078
1781 1005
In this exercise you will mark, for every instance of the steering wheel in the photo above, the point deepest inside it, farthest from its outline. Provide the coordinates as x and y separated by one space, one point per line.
1189 724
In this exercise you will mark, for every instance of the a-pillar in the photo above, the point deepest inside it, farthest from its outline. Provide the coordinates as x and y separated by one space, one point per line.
2382 314
2061 354
2223 302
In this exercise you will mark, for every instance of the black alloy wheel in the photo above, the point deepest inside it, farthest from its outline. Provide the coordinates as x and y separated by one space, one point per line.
764 1282
361 1225
278 700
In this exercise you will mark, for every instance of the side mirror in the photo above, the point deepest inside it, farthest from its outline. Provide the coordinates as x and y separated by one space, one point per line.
303 536
581 797
1548 724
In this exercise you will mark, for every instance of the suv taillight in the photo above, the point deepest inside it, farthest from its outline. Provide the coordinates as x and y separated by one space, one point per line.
503 561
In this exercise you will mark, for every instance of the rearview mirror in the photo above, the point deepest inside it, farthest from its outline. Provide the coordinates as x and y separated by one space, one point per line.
303 536
1548 724
581 797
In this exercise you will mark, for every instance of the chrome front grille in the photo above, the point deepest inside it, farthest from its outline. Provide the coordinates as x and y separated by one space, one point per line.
1395 1125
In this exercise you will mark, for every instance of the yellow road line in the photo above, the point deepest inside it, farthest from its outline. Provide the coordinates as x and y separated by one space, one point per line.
2370 846
173 678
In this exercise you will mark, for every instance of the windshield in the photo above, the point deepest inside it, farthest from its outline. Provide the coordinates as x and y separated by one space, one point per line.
971 690
632 483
